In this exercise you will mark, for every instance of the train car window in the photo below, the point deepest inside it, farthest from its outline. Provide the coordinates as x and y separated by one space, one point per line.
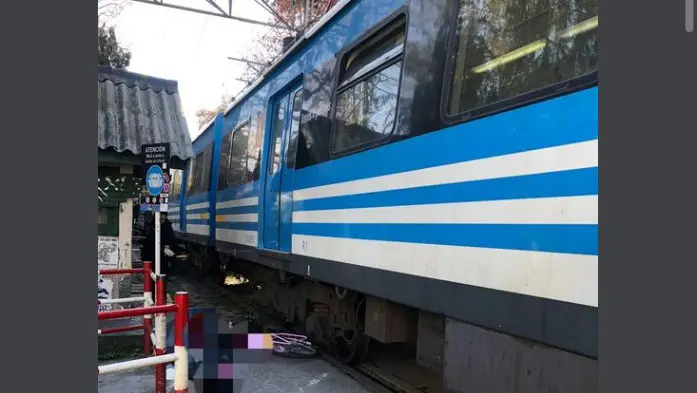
254 148
190 179
294 129
278 120
507 48
176 184
238 158
204 180
224 164
366 104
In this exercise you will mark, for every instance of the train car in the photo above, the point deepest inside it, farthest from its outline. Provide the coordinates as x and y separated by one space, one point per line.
421 172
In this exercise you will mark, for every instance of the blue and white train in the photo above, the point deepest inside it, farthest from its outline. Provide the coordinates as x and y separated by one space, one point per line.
409 161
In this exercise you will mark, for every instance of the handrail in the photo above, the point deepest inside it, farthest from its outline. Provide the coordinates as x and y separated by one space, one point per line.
180 308
136 312
105 272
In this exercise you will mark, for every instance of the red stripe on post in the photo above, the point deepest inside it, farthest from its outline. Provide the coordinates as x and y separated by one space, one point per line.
160 374
147 322
147 280
181 316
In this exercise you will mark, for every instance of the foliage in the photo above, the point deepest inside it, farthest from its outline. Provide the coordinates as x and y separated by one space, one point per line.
109 52
203 116
299 14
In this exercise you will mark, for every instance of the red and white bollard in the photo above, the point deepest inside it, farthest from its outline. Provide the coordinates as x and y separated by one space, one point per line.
181 365
147 319
160 334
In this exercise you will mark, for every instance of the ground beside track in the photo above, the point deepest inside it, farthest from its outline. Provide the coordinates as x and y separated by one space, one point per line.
279 374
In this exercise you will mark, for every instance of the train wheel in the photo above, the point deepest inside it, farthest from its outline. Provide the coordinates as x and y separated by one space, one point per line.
352 347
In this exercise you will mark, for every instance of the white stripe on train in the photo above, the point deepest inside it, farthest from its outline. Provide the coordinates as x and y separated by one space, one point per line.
251 201
563 210
196 229
557 158
248 238
565 277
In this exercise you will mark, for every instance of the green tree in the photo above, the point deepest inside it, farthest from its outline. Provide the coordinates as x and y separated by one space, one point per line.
109 52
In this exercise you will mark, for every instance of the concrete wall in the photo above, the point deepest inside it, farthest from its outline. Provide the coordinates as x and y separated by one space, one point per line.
483 361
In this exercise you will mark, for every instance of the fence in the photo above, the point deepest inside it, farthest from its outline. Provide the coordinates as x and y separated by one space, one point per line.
159 308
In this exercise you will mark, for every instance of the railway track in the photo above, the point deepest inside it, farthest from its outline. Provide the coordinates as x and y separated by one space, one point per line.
374 377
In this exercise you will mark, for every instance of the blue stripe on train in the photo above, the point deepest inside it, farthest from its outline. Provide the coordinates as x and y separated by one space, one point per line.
238 192
568 119
198 210
238 210
196 198
242 226
554 184
197 222
570 239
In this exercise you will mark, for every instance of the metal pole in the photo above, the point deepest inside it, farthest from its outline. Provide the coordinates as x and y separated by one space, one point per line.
157 244
147 319
181 366
160 334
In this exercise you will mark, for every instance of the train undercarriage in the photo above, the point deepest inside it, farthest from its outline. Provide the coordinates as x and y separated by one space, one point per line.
400 345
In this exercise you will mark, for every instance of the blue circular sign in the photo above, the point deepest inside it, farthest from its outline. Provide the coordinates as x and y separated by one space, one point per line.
155 180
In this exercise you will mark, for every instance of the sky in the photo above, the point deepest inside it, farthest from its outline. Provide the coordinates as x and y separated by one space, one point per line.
190 48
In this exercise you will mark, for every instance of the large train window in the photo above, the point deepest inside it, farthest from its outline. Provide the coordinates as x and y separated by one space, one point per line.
506 48
224 164
237 173
254 149
366 100
202 171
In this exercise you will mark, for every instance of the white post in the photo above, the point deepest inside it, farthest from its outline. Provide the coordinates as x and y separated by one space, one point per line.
157 244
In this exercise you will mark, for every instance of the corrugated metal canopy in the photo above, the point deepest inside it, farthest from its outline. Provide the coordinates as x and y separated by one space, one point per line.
134 110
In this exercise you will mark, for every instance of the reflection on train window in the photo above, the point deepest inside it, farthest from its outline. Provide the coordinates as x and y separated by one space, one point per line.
366 111
254 152
294 129
202 170
190 178
366 106
224 164
506 48
238 158
278 120
176 185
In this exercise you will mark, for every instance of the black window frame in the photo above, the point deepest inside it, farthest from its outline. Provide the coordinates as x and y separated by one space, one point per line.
245 178
547 92
401 16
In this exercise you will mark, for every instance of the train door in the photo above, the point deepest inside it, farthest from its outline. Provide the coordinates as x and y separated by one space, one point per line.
278 183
